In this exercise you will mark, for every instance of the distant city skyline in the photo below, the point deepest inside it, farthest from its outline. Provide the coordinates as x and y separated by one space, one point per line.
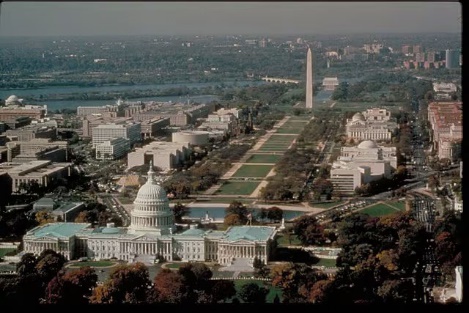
226 18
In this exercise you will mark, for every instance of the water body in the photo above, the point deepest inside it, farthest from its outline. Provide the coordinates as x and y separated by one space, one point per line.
5 93
218 213
73 104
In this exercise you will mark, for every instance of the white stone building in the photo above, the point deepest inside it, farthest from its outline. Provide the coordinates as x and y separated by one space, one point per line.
112 149
167 155
372 124
131 131
362 164
152 235
330 83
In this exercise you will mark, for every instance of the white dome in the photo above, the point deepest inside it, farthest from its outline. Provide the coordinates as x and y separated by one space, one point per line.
12 100
151 192
367 144
151 212
358 117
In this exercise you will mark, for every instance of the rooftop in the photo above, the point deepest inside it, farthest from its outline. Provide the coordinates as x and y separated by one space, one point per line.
258 233
60 230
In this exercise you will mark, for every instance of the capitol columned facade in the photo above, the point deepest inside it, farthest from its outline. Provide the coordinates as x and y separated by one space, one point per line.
151 235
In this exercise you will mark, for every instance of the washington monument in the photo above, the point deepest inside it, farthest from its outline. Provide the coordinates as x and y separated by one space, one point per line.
309 80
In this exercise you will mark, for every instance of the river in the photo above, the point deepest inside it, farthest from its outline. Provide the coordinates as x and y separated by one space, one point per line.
71 104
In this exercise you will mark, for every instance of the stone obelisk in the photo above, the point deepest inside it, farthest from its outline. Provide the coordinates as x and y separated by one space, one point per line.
309 80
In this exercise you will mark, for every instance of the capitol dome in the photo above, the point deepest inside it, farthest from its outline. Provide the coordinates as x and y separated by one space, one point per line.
12 100
151 212
367 144
358 117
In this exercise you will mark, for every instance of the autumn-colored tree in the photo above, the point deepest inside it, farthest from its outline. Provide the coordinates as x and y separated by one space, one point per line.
309 231
48 265
253 293
82 217
316 294
44 217
72 287
389 259
396 291
295 280
170 287
126 284
232 219
196 275
239 209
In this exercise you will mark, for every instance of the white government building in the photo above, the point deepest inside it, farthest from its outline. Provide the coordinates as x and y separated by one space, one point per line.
362 164
152 235
372 124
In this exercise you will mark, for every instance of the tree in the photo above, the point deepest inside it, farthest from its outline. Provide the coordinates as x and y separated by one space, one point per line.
179 211
253 293
396 291
223 290
275 213
44 217
232 219
73 287
238 208
309 231
82 217
170 287
126 284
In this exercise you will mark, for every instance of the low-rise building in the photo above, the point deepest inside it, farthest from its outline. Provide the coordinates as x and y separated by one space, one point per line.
330 83
30 132
42 172
68 211
362 164
167 155
193 137
150 128
372 124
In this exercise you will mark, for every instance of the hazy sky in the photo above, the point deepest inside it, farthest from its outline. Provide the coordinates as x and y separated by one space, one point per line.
270 18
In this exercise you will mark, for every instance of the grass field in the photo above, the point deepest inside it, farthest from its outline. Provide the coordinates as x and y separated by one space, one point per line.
124 200
253 171
398 204
225 200
4 251
281 138
326 262
290 130
282 147
264 158
93 264
174 265
379 209
237 188
272 290
283 241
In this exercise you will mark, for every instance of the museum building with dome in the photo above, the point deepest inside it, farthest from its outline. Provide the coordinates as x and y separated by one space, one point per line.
151 235
373 124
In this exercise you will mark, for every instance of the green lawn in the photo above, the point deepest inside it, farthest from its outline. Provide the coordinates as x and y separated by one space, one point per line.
281 138
282 240
326 262
379 209
253 171
4 251
124 200
237 188
264 158
174 265
225 200
290 130
93 264
398 204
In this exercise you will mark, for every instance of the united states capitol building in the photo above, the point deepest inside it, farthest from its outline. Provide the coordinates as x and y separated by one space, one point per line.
152 234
